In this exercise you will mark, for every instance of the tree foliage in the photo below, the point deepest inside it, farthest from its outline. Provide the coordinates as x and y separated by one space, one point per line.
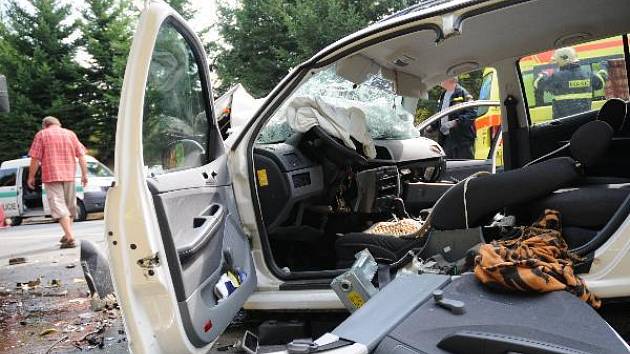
264 39
41 45
107 31
37 52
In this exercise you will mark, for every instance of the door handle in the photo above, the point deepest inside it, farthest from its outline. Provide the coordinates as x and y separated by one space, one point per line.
207 214
205 226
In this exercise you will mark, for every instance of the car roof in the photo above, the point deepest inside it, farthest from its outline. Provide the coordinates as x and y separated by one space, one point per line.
483 33
25 161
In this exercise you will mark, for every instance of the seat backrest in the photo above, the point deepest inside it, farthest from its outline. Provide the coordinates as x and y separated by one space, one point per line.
590 142
613 112
488 194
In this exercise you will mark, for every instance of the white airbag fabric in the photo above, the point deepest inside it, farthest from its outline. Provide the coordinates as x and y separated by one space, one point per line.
338 120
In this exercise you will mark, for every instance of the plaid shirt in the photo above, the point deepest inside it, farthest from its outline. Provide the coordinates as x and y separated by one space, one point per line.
57 149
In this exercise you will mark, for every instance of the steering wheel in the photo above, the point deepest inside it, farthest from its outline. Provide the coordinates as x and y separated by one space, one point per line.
334 150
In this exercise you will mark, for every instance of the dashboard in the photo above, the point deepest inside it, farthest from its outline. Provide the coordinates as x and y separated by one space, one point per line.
286 177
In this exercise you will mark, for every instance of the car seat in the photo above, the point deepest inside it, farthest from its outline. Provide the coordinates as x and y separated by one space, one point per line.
472 202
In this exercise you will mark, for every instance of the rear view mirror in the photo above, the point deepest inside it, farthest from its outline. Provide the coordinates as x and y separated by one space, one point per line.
4 95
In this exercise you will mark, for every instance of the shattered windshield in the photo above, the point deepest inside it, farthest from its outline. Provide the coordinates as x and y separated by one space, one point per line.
385 116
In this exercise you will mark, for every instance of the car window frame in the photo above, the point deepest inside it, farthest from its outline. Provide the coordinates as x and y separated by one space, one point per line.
212 150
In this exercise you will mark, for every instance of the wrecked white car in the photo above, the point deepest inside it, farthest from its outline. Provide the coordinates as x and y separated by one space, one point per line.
268 219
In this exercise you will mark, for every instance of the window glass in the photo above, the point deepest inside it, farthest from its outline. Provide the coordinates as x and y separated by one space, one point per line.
468 133
385 116
570 80
7 177
96 169
175 126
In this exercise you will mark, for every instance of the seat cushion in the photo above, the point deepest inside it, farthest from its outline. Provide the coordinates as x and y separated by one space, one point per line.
577 236
604 182
588 207
385 249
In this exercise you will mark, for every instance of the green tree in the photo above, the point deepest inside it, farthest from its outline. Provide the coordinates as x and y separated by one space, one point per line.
107 31
183 7
264 39
37 53
257 45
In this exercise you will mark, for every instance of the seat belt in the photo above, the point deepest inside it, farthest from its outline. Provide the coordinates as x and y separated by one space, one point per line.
510 144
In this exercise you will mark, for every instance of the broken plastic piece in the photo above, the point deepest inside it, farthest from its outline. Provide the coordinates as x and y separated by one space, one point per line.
455 306
17 260
354 287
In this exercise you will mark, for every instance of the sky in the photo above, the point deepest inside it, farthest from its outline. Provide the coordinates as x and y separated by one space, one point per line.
206 15
206 12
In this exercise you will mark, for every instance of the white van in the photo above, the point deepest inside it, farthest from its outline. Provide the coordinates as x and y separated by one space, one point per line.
21 202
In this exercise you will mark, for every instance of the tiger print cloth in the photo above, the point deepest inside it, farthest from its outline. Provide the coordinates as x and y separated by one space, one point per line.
537 261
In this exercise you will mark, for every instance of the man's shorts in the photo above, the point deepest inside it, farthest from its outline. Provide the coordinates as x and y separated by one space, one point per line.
62 200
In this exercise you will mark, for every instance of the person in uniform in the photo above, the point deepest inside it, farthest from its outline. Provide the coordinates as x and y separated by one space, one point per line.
457 130
571 86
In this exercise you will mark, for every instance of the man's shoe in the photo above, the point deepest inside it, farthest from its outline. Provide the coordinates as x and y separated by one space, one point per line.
68 244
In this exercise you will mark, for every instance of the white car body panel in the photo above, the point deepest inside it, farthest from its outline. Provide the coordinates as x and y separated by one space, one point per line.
9 195
153 320
151 311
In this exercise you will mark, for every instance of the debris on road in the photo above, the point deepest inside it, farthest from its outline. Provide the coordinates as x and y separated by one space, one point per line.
70 266
48 331
56 293
52 312
54 283
17 260
62 339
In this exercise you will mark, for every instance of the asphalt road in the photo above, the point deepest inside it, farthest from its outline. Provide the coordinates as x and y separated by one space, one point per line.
65 310
40 240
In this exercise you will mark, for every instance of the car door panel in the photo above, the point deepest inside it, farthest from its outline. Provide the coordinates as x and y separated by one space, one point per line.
458 170
173 204
196 274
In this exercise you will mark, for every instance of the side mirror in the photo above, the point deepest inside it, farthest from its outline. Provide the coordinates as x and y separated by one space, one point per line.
184 153
4 95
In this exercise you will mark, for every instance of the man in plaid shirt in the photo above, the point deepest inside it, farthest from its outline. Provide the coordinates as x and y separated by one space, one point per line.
56 149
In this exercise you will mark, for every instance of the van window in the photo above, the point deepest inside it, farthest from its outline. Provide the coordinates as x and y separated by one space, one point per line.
96 169
570 80
8 177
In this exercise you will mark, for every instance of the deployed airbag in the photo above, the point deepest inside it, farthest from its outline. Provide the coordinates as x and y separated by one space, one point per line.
339 121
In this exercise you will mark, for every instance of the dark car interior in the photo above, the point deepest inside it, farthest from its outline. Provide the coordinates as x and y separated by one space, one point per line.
32 198
317 196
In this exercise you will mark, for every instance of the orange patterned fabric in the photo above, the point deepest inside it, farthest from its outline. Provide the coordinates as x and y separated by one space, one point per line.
537 261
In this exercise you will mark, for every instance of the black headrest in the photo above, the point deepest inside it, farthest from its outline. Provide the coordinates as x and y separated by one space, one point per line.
613 112
591 141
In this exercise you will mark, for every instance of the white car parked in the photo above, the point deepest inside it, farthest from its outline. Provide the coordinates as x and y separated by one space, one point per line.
21 202
265 220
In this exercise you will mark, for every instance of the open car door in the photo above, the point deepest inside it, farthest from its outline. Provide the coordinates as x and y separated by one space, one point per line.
181 264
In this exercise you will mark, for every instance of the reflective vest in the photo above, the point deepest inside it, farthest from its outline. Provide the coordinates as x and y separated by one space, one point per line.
572 89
